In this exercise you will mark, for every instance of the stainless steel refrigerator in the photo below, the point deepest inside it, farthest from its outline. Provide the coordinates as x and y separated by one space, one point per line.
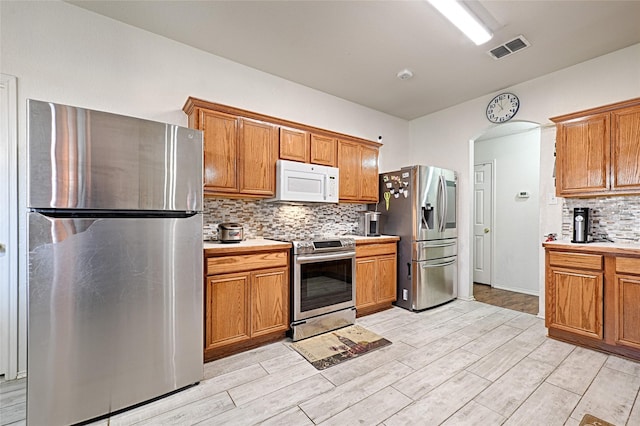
115 262
418 203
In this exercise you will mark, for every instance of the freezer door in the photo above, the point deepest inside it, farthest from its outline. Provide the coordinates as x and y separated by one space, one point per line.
83 159
115 313
435 282
435 249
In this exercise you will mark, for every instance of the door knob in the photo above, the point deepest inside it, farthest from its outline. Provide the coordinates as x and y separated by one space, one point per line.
3 249
486 230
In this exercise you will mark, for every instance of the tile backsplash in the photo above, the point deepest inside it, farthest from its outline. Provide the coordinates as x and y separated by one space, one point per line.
265 219
617 217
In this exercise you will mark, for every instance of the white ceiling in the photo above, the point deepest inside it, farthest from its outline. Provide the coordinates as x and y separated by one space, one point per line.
354 49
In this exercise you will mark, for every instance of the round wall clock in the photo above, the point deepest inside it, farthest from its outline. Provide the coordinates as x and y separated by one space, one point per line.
503 107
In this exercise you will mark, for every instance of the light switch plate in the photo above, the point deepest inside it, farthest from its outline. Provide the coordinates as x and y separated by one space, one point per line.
552 199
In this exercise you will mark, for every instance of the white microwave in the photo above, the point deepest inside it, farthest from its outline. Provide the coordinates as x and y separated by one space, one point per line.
302 182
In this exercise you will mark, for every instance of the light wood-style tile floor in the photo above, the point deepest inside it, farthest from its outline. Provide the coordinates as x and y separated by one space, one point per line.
506 299
464 363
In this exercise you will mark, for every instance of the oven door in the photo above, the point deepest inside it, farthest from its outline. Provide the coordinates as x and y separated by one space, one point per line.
323 283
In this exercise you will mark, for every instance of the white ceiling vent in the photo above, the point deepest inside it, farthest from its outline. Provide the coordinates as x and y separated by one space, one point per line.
509 47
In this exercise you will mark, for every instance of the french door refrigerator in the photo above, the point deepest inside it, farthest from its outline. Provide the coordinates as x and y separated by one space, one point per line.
418 203
115 262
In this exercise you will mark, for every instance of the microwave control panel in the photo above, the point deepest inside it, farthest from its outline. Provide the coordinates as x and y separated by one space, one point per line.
333 183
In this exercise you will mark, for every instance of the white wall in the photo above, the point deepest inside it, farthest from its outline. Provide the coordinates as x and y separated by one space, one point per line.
516 160
443 138
65 54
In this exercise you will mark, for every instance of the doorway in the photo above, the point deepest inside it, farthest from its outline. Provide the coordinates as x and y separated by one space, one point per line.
482 222
506 215
8 229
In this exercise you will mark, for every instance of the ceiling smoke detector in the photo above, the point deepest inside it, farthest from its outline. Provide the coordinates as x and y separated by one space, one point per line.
405 74
508 48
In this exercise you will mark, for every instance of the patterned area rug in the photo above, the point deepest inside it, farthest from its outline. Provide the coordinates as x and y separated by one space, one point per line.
589 420
337 346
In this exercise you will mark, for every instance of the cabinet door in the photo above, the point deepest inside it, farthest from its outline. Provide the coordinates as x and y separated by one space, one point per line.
627 311
323 150
366 276
583 156
349 165
625 149
220 151
386 279
257 157
368 174
227 299
576 302
269 301
294 145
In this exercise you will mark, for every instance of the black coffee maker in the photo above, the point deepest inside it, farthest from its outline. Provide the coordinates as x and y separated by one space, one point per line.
580 225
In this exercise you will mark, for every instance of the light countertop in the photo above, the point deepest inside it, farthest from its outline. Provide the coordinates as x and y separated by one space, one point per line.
373 240
263 244
631 248
252 245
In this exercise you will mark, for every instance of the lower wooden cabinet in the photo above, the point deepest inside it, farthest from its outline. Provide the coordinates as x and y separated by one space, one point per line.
247 308
227 310
576 302
269 301
375 277
593 299
627 307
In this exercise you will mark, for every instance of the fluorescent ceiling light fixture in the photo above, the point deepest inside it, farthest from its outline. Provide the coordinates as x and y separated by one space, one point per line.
463 19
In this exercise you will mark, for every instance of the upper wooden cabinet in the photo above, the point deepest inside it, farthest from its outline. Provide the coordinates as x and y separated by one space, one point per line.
220 152
358 164
625 149
239 154
258 144
324 150
241 148
294 145
598 151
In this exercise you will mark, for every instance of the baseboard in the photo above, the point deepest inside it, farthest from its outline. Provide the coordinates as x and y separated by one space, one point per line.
518 290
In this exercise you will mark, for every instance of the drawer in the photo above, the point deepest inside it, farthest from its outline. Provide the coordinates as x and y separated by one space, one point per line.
576 260
435 249
246 262
366 250
628 265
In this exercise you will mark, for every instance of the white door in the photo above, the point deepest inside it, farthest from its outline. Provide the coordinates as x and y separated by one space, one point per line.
482 218
8 228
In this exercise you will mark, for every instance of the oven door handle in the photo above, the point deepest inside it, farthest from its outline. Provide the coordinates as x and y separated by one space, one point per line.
322 257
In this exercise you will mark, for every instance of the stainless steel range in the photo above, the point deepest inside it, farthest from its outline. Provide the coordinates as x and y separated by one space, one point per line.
323 285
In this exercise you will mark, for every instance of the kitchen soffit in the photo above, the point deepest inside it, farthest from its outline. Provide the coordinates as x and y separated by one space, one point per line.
354 49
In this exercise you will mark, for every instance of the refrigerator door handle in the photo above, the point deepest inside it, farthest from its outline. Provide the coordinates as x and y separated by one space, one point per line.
437 265
442 203
429 244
